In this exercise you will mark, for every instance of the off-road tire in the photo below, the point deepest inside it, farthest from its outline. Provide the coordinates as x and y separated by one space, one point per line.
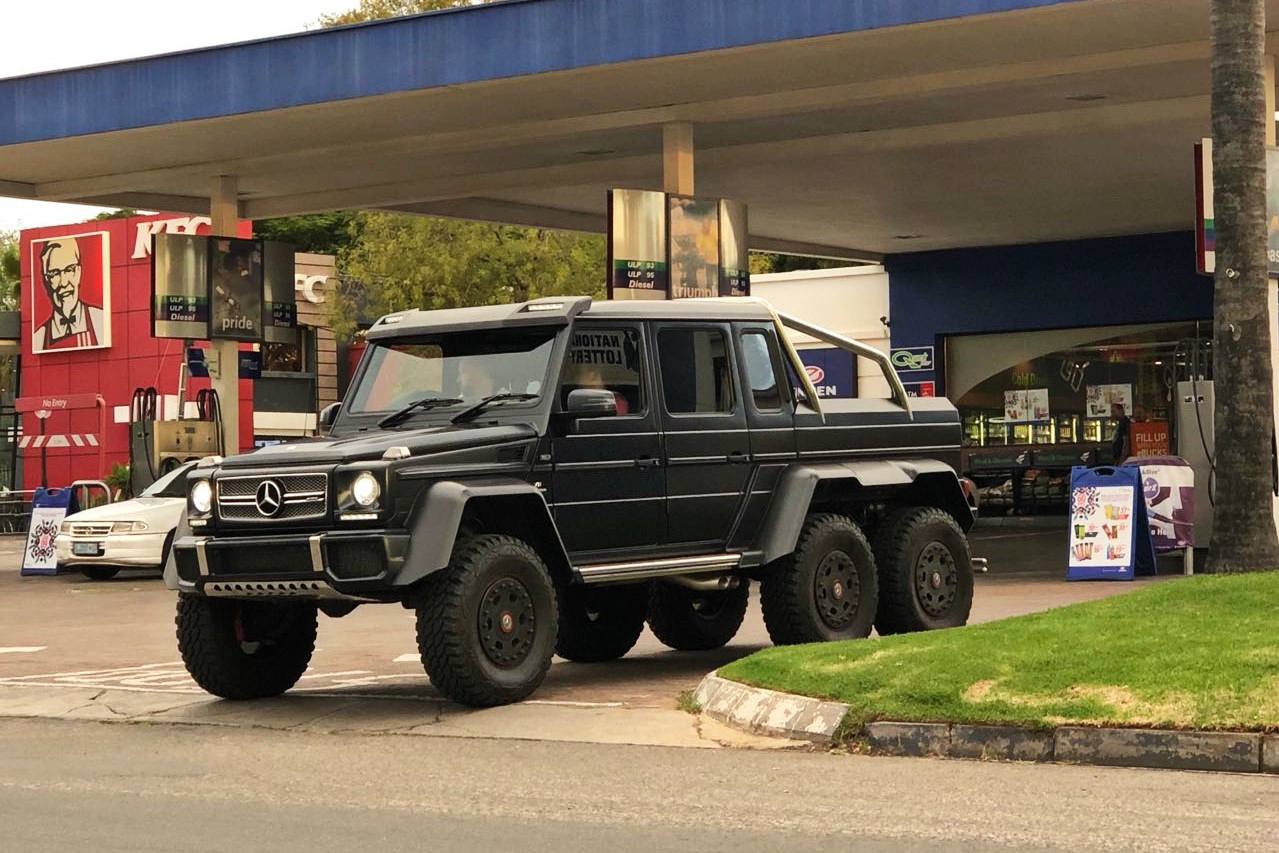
487 624
600 623
925 572
692 620
100 573
245 649
826 589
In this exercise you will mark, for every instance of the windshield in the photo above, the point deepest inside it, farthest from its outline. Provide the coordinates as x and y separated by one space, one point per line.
171 485
467 366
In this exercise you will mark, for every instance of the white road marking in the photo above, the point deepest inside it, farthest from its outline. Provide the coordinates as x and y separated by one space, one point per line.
20 650
567 704
416 658
173 678
185 691
85 673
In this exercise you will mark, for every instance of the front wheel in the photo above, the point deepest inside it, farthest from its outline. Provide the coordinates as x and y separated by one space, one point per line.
487 624
245 649
692 620
925 572
826 589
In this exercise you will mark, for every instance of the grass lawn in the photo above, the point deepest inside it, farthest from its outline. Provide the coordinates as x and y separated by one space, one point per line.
1200 652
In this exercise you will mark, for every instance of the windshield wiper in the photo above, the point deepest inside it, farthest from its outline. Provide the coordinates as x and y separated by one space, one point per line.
471 411
423 404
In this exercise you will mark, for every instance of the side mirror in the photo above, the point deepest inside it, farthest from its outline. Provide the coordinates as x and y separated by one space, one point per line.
591 403
328 415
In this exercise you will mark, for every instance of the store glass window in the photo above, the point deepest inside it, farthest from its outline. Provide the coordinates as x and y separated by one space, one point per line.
290 358
1034 404
1056 387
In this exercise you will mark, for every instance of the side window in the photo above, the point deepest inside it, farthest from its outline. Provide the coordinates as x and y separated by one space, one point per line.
758 354
608 358
696 372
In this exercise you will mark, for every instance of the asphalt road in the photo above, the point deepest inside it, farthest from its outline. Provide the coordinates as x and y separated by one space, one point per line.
67 786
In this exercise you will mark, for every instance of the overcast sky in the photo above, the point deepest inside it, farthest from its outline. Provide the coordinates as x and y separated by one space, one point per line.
46 37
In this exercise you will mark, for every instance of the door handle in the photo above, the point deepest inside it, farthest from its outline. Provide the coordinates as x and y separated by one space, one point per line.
738 456
646 462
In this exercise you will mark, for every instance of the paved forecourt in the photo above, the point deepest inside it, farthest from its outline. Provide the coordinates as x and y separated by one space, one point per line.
72 647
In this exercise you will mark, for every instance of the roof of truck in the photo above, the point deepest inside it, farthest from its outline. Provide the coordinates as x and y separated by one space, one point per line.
720 308
560 310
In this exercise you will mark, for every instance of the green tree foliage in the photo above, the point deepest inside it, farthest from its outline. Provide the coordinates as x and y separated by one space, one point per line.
118 213
10 288
372 10
766 262
10 275
323 233
400 262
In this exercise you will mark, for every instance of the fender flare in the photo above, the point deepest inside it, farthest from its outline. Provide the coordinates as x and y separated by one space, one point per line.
794 494
437 517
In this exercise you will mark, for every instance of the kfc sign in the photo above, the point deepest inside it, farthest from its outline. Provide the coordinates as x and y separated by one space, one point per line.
307 286
181 225
70 292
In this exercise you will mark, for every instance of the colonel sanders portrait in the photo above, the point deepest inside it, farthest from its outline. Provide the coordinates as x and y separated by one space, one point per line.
69 320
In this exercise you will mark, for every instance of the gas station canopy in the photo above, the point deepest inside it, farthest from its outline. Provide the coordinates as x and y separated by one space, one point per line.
855 129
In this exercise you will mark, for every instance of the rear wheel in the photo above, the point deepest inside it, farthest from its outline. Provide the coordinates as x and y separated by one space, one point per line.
245 649
692 620
925 572
600 623
487 626
100 573
826 589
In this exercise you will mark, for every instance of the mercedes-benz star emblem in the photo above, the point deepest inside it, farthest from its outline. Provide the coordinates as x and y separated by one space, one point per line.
269 498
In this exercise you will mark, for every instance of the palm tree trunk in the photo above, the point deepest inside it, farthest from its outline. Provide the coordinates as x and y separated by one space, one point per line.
1244 537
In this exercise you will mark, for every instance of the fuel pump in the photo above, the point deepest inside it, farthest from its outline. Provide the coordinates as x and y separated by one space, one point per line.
1195 432
142 414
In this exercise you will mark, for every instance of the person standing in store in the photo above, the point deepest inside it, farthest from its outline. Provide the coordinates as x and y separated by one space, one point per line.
1121 444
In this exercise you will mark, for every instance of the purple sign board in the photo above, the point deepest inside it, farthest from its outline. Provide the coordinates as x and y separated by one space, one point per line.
1168 484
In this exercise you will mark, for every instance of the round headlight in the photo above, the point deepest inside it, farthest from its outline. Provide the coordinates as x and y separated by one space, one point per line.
202 496
366 489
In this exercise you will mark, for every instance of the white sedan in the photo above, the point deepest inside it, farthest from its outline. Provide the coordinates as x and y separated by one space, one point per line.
134 534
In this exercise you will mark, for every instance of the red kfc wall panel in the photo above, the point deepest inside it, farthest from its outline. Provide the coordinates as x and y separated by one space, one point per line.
86 333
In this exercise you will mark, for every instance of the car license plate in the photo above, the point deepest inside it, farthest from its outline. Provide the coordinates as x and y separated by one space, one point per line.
86 549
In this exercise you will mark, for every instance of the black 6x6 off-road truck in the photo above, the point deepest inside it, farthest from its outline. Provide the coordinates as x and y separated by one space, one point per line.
544 478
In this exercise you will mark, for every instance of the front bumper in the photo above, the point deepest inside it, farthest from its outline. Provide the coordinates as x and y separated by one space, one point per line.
358 565
116 549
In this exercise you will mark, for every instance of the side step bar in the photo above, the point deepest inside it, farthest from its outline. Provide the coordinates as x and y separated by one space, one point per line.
644 569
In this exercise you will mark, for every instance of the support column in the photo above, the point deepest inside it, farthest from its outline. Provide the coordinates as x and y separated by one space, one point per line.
224 211
1272 295
677 158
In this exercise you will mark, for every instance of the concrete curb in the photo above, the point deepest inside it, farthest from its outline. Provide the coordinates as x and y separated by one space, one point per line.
769 712
802 718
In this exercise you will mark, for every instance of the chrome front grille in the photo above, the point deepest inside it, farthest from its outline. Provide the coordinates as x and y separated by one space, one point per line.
85 529
301 497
